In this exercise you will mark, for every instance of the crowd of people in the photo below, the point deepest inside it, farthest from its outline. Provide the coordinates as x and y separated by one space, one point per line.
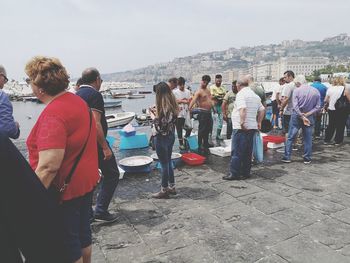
67 147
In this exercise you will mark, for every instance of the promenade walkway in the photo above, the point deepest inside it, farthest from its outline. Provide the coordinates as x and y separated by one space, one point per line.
284 213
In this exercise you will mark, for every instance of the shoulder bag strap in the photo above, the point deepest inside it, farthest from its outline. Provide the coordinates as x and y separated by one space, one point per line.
69 177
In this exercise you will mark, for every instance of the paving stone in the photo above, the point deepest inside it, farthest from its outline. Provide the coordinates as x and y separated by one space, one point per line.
330 232
237 188
264 229
272 259
343 216
165 237
184 255
138 211
97 254
197 190
298 217
301 249
276 187
118 237
339 198
345 251
317 203
130 253
267 202
234 211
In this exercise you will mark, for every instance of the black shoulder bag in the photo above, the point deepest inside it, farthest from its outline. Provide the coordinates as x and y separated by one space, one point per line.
57 193
342 103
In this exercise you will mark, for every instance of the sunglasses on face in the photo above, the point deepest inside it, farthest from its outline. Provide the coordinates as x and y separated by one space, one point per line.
5 78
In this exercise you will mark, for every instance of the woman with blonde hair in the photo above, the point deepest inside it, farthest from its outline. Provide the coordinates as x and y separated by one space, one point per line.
164 117
63 153
337 117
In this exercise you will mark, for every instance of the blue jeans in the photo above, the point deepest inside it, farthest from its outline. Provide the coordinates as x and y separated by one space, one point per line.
242 148
164 148
110 179
295 125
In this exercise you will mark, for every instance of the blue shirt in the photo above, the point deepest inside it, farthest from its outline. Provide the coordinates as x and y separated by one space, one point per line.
7 123
322 89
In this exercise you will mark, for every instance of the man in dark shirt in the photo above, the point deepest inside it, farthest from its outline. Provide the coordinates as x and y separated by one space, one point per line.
89 91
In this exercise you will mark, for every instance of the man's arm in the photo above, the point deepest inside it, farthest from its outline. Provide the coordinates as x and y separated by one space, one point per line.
243 116
296 104
224 108
100 136
261 115
7 123
194 100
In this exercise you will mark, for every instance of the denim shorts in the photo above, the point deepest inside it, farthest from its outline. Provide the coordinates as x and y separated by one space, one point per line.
76 215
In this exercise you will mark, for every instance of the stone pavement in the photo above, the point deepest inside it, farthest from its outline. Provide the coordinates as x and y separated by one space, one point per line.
284 213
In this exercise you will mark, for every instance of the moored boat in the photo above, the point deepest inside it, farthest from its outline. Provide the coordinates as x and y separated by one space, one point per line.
135 96
113 104
119 119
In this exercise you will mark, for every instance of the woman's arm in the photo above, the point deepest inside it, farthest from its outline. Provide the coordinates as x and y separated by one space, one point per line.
49 163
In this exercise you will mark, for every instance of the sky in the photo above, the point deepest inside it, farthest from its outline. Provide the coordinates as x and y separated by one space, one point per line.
119 35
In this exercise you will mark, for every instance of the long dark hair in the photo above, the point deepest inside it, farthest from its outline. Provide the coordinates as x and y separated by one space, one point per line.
165 101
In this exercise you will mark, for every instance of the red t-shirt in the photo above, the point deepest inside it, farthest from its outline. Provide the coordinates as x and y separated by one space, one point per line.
64 124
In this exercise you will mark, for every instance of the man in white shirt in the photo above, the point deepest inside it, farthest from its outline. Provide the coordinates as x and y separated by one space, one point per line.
287 103
183 97
247 116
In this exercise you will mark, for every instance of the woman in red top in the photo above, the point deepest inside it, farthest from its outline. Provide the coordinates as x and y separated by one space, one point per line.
54 144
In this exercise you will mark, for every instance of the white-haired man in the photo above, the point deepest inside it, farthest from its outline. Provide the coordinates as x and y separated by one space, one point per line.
306 103
7 124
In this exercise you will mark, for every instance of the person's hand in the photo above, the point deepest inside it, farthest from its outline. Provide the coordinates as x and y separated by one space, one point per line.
107 152
306 121
225 118
17 124
259 126
243 127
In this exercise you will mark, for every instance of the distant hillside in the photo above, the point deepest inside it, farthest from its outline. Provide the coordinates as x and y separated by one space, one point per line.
336 48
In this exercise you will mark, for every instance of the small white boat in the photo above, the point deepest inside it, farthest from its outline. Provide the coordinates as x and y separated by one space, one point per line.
119 119
135 96
112 104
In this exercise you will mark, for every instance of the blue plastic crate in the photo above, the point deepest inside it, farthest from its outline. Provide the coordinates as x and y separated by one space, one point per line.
138 141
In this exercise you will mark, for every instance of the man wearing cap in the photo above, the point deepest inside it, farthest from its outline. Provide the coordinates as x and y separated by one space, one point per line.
7 124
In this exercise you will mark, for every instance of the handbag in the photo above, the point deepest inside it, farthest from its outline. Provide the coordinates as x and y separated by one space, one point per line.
56 193
342 103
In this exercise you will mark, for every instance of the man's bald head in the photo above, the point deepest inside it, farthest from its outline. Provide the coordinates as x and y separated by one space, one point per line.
248 79
91 76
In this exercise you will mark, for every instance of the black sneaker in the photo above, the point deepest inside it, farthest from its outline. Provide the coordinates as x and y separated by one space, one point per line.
307 161
106 217
286 160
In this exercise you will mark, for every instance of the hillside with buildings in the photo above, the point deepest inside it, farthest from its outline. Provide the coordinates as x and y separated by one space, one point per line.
265 62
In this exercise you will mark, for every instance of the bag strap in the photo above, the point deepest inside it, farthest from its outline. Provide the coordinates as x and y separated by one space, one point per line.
69 177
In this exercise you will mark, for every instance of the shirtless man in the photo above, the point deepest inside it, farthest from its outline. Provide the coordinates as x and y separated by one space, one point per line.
203 98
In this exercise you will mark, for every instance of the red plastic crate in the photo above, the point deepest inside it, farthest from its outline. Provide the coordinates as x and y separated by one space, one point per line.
193 158
272 138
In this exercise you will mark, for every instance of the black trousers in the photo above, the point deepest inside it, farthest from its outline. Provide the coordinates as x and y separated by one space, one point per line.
29 219
180 123
337 121
204 128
